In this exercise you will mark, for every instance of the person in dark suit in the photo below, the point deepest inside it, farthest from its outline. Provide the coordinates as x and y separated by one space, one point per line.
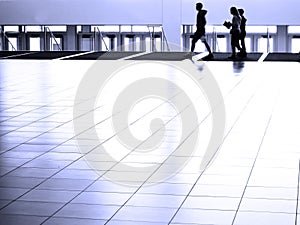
200 32
243 52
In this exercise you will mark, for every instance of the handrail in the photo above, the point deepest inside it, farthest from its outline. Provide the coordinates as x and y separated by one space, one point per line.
165 39
102 38
216 46
268 40
151 34
13 47
52 35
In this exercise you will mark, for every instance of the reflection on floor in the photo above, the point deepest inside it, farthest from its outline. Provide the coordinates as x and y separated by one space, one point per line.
47 178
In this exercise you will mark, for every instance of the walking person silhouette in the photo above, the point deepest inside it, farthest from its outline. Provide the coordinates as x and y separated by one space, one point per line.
200 32
235 31
243 52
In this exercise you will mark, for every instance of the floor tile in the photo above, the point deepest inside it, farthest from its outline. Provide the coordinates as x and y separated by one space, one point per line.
49 196
83 211
166 188
44 172
100 198
268 205
155 200
77 174
110 187
33 172
145 214
31 208
198 216
11 193
217 190
4 203
73 221
132 222
213 203
271 193
21 182
64 184
262 218
21 219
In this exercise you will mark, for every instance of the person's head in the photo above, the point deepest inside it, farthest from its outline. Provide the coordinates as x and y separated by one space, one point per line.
199 6
241 11
234 11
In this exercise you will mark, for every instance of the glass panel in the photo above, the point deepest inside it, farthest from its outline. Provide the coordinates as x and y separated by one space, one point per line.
138 43
34 28
140 29
55 45
148 42
218 29
125 28
295 45
13 44
107 28
35 44
11 28
248 44
263 44
58 28
222 44
294 29
261 29
105 41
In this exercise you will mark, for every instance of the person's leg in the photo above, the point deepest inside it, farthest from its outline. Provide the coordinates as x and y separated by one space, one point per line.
196 37
243 44
234 43
237 42
243 36
207 47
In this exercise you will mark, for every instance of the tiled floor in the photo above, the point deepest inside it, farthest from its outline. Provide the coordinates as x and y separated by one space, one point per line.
46 178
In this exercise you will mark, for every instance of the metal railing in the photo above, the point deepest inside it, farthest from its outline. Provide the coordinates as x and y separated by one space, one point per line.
52 38
164 40
214 39
97 30
153 36
9 42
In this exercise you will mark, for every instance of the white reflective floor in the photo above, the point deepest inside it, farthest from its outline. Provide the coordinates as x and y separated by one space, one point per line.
154 178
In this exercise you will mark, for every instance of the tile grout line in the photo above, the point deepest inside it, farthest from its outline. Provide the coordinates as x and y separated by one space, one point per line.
247 103
99 179
297 203
259 148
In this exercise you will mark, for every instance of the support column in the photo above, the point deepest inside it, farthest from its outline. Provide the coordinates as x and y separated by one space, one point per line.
1 38
86 40
282 38
71 38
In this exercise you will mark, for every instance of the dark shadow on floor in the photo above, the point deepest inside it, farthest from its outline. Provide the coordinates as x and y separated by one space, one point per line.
11 54
223 56
102 56
162 56
283 57
44 55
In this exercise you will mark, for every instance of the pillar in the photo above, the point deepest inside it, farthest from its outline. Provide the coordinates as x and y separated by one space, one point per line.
71 38
282 38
